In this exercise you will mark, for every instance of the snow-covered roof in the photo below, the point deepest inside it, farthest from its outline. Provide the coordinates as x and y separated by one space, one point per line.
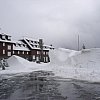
7 41
20 46
34 44
31 39
48 46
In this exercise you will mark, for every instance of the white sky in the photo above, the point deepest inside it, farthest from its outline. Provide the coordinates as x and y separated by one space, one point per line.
58 22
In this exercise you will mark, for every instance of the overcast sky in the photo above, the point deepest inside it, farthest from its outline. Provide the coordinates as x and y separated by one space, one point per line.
58 22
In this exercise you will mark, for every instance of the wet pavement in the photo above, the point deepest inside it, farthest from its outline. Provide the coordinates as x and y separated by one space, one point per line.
42 85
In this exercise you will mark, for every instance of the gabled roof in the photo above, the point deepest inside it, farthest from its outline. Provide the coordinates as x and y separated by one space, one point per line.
7 41
20 46
28 38
34 44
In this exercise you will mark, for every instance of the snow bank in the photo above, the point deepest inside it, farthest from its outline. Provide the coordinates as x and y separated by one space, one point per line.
83 58
62 56
17 61
20 65
82 65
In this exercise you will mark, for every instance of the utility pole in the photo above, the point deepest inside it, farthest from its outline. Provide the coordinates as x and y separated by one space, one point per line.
78 42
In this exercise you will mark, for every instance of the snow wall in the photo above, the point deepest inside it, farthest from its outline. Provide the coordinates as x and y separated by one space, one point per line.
83 58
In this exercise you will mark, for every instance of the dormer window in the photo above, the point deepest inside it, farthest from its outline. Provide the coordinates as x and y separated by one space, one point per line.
9 37
36 46
3 37
35 41
32 45
23 45
30 41
14 44
19 45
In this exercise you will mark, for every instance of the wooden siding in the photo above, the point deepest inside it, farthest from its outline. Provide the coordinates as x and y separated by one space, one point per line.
6 49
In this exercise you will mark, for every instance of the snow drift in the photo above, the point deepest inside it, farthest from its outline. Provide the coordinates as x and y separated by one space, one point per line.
18 65
83 58
82 65
17 61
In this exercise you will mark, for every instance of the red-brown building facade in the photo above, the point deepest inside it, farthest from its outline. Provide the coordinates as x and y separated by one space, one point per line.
27 48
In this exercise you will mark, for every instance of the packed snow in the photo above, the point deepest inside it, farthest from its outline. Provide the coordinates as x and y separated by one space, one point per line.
65 63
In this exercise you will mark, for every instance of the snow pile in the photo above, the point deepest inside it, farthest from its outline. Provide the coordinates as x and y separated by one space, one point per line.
86 58
62 56
18 65
82 65
17 61
83 58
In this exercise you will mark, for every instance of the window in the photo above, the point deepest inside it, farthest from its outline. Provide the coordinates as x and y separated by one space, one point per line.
37 58
9 37
35 42
16 44
46 59
9 47
38 52
47 53
23 52
3 36
3 51
3 44
18 52
33 56
19 45
27 52
13 52
36 46
9 53
30 41
44 53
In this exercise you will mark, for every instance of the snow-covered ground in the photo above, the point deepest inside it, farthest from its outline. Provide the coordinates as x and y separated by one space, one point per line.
82 65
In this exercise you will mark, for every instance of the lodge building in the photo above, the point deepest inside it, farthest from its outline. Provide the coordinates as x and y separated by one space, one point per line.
30 49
